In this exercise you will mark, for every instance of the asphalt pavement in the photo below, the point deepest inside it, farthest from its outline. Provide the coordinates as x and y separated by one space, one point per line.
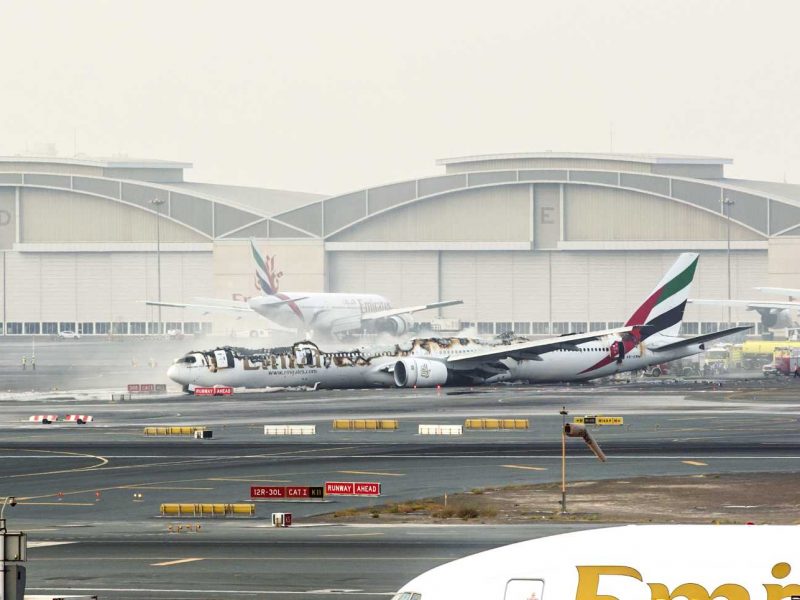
89 495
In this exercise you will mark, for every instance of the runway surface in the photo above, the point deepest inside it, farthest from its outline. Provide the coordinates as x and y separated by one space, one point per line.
90 495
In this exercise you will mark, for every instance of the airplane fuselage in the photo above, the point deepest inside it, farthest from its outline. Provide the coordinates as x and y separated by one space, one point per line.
312 310
306 365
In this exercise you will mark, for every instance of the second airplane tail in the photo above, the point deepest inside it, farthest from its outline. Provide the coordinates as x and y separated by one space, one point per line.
662 311
266 278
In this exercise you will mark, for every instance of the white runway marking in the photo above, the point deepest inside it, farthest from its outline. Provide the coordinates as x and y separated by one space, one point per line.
179 561
45 544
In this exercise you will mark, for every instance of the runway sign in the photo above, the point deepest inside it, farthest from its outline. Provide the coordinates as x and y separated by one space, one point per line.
213 391
352 488
282 492
598 420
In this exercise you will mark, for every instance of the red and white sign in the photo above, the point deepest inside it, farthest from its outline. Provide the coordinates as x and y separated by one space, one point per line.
298 492
134 387
79 418
267 491
367 489
146 387
43 418
213 391
351 488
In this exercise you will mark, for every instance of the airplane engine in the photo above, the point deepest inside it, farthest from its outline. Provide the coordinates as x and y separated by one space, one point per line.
775 318
419 372
397 325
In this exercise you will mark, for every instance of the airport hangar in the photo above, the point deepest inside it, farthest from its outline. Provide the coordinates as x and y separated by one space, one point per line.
534 242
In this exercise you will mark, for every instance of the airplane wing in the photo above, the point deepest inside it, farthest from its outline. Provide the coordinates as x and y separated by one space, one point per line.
748 303
384 314
242 307
780 291
534 349
211 305
700 339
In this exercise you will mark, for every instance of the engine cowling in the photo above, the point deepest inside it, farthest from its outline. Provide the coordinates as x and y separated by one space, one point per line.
419 372
775 318
396 325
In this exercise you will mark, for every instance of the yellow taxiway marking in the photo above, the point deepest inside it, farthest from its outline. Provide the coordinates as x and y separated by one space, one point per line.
526 467
694 463
180 561
102 462
372 473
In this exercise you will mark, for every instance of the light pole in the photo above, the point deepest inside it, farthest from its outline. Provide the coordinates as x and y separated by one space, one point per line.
563 414
726 207
157 202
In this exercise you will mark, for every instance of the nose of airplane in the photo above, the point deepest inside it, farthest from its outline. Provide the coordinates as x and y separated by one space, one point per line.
177 373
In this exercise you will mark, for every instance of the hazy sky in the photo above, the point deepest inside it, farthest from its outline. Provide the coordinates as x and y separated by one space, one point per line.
336 95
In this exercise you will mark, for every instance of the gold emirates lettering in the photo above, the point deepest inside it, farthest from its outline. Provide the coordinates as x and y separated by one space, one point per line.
589 583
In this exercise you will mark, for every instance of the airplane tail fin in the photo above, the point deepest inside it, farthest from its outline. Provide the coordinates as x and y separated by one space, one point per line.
663 309
266 279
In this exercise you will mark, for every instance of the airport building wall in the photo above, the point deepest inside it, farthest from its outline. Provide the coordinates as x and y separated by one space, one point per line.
536 242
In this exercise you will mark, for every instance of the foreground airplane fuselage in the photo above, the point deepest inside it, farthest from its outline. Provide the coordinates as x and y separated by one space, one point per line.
651 562
306 365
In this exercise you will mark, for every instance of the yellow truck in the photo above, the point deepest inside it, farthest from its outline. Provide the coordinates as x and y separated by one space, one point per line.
756 353
723 358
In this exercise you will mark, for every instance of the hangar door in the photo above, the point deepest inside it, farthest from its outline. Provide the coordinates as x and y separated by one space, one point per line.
405 278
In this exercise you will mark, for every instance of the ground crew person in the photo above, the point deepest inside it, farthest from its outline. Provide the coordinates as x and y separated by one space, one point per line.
797 371
24 363
33 362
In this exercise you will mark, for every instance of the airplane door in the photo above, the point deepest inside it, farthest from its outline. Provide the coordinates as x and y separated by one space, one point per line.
525 589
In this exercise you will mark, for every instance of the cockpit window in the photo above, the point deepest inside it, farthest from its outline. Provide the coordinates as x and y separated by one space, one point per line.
189 360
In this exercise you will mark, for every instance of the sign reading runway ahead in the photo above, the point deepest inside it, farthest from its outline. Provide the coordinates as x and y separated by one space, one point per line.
352 488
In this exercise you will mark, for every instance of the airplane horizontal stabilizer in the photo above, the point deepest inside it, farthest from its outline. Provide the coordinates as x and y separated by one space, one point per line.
701 339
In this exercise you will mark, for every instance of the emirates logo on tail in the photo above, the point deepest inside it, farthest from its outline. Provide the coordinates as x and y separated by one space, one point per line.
267 280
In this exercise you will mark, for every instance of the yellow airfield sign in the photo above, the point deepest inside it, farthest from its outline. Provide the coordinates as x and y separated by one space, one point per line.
598 420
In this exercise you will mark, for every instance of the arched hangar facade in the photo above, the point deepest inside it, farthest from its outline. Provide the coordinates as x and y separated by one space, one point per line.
535 242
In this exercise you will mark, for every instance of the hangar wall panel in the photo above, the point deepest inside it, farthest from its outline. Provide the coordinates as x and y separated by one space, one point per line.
547 215
595 213
93 287
101 287
23 281
58 287
586 286
60 216
784 266
490 214
406 279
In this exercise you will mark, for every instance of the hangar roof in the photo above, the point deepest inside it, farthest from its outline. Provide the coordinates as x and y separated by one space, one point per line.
660 159
264 201
115 162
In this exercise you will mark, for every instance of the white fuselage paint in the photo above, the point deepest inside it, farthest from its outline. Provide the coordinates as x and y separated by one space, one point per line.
315 310
635 562
362 368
